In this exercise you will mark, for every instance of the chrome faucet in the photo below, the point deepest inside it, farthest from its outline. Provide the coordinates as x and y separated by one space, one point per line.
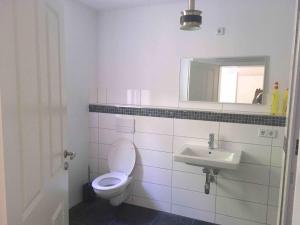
211 142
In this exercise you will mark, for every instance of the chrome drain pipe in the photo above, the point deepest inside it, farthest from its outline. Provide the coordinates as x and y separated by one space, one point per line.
210 178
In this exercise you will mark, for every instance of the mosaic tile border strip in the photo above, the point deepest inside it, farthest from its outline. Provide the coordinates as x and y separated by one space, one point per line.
279 121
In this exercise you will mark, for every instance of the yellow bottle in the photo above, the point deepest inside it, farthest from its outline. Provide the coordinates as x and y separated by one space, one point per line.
275 99
285 101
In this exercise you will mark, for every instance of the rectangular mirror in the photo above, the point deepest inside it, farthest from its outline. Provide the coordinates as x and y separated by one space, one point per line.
223 80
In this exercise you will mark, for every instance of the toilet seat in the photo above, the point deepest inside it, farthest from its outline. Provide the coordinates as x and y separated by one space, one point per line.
121 157
121 161
110 181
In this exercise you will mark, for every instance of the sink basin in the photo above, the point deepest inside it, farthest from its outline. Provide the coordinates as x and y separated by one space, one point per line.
205 157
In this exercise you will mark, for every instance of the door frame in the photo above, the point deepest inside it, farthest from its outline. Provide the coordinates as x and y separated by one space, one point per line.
291 172
3 209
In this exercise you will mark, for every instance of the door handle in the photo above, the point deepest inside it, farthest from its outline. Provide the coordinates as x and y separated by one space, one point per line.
67 154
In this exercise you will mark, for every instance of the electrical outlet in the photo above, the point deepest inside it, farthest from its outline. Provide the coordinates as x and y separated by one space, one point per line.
272 133
262 132
267 133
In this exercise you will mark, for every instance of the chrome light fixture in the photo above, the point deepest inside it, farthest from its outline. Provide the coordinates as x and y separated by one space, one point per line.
191 18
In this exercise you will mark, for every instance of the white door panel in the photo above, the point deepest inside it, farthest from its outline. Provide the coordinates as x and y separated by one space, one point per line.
28 103
33 111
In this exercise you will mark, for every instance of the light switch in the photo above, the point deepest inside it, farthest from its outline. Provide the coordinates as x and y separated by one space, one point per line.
221 31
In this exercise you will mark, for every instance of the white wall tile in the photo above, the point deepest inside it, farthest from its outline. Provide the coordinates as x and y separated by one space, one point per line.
152 191
107 121
243 133
123 96
103 166
103 151
154 158
241 209
93 163
157 142
273 196
125 123
179 166
226 220
272 215
257 174
110 121
154 125
257 154
193 213
152 204
93 120
156 184
189 181
193 199
277 156
195 128
94 133
153 175
275 176
278 141
93 150
110 136
242 191
159 98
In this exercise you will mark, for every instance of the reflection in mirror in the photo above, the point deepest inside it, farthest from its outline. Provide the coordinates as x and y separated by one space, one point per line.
224 80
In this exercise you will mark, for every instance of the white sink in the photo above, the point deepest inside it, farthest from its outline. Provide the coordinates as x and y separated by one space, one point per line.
213 158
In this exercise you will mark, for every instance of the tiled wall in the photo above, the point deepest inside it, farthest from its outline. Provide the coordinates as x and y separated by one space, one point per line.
247 196
165 99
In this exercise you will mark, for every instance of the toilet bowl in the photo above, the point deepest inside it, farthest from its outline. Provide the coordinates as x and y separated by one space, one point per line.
114 185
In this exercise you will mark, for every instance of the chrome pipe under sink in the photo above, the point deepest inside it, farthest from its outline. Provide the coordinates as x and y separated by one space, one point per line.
210 177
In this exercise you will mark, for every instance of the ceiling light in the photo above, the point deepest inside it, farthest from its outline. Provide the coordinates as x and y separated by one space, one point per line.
190 19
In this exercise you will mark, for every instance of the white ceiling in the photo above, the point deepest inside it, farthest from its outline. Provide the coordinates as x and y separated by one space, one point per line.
116 4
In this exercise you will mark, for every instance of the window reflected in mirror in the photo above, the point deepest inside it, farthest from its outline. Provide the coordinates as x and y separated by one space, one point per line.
224 80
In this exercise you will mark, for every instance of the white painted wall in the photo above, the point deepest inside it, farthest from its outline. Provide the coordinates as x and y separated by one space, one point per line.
80 63
140 48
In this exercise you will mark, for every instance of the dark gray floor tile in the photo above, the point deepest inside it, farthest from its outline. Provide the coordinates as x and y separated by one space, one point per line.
197 222
76 223
100 212
133 215
168 219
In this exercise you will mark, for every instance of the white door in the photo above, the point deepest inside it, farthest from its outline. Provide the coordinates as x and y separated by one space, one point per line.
203 82
33 112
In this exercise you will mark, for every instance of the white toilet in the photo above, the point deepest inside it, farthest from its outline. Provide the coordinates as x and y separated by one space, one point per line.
114 185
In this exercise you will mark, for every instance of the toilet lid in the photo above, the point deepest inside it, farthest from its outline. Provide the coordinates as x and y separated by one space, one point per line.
121 157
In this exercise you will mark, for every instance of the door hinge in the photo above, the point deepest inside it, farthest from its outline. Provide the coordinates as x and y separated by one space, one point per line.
297 146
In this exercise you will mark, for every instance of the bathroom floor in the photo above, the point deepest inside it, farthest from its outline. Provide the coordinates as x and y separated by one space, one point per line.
100 212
